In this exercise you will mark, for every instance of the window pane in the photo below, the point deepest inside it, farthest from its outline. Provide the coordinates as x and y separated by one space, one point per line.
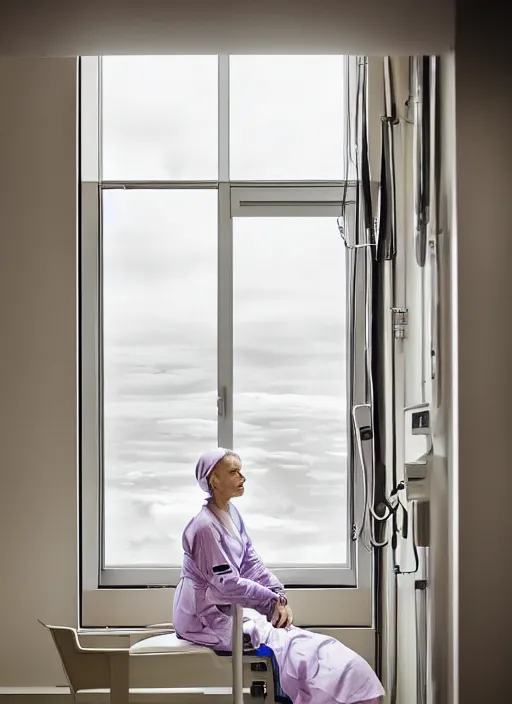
287 117
159 118
160 367
290 419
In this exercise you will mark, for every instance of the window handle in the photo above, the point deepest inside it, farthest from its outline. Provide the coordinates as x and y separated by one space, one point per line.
221 403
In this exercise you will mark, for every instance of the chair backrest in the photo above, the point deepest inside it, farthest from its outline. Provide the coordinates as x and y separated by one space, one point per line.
84 669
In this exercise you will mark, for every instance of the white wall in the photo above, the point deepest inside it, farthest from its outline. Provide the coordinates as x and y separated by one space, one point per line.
38 487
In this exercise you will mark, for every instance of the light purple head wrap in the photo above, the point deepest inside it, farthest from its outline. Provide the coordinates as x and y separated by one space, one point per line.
206 465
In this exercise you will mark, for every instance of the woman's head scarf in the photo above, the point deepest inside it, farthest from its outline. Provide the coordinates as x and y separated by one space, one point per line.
206 464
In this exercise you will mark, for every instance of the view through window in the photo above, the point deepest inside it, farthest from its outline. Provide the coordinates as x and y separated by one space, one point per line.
161 154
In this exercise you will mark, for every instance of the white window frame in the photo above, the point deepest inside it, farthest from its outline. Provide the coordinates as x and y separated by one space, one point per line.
123 597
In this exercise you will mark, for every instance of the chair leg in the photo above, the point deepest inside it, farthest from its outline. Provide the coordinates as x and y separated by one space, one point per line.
119 678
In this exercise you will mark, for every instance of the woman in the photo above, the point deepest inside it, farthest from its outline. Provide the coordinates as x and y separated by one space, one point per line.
221 568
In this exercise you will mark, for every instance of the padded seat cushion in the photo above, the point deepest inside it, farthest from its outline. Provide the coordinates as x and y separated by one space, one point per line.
165 643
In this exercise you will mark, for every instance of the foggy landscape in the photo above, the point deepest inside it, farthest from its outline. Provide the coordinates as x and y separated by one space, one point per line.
160 308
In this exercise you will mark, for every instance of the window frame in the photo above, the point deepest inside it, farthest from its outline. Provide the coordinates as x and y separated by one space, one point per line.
130 586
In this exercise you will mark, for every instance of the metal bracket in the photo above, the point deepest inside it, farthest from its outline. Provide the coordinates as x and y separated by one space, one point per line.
400 322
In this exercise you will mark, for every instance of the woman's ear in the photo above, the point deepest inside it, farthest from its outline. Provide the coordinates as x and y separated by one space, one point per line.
213 482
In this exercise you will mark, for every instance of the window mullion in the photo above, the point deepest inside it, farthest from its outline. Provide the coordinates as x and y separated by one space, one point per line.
225 318
225 265
223 118
91 477
90 117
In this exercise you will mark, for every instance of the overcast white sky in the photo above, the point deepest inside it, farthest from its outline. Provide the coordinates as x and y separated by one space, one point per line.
160 306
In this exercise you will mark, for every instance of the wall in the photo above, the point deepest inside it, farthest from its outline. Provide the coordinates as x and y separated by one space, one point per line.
38 487
38 428
413 385
92 27
408 364
38 411
402 289
443 564
484 155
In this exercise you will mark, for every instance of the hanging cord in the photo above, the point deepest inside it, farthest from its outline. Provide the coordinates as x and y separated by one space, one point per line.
369 254
357 245
365 434
361 163
368 272
373 516
348 158
421 73
352 260
386 236
403 530
364 239
386 250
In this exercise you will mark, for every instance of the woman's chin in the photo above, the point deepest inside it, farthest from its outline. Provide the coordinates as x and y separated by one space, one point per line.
240 491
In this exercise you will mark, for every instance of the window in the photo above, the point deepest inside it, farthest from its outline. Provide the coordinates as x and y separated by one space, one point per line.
159 118
159 366
289 404
286 117
215 305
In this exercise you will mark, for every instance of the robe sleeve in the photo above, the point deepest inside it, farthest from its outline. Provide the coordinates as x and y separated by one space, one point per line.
253 568
226 586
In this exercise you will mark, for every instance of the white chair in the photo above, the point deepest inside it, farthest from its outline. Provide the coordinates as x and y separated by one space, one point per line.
90 670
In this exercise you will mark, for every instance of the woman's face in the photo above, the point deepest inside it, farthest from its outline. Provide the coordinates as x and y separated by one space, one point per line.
227 479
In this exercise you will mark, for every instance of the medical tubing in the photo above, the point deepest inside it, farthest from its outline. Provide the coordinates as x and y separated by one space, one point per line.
421 79
362 205
362 462
368 269
353 299
390 110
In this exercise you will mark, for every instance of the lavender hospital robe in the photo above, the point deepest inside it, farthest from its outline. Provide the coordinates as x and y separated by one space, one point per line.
220 568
